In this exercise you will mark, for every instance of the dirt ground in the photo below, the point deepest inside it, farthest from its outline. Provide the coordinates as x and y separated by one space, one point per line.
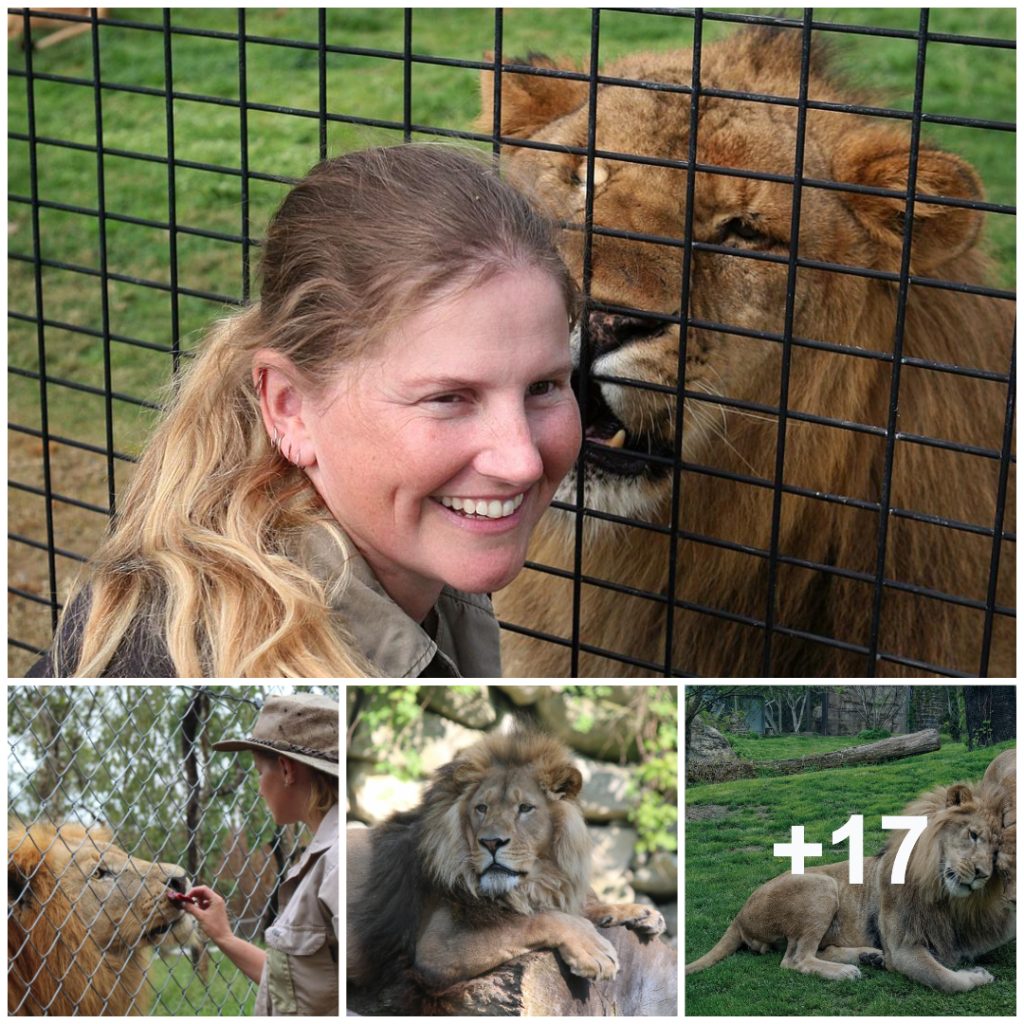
75 474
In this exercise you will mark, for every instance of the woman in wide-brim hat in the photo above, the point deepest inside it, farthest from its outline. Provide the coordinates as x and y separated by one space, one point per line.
294 744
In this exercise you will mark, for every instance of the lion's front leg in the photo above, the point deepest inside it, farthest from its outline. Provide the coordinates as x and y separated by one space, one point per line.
447 953
636 916
918 963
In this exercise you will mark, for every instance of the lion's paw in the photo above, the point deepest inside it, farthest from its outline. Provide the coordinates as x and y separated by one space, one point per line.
592 957
846 972
873 959
636 916
974 977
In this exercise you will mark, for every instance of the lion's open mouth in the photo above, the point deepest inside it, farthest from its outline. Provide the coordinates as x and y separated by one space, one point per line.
608 444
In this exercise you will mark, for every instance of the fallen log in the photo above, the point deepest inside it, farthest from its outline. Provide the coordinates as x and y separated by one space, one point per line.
892 749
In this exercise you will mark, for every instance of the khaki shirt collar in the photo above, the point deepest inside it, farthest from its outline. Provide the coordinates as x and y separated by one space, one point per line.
326 836
465 641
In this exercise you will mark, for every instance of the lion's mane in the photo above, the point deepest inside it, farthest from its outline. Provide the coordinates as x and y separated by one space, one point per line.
566 876
922 911
57 964
419 856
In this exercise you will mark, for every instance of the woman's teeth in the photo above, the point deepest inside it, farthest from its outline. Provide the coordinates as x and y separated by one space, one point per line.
483 508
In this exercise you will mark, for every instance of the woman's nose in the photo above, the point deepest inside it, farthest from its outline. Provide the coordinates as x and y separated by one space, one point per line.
509 451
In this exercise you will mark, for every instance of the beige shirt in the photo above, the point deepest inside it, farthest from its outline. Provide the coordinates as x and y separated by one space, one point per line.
460 637
300 976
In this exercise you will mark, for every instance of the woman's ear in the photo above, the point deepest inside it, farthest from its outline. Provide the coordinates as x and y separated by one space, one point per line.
285 404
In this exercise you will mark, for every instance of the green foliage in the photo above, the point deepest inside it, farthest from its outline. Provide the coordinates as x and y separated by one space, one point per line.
395 709
656 817
870 735
656 814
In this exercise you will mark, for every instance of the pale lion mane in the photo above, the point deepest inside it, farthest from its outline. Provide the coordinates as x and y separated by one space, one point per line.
564 882
82 919
952 907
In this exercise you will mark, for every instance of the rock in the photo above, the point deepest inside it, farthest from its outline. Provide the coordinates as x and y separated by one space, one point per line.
607 793
659 876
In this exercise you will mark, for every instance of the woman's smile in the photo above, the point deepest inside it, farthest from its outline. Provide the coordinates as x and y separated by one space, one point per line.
440 453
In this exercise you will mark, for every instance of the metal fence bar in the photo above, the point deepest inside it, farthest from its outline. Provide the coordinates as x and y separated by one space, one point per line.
410 56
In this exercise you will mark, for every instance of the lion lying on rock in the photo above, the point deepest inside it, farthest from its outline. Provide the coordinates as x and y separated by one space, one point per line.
494 863
82 919
953 906
831 454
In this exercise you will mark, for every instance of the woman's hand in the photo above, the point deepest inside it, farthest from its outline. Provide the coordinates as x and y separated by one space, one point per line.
209 910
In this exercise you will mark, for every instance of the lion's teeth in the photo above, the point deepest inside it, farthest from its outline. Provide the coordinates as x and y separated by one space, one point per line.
618 441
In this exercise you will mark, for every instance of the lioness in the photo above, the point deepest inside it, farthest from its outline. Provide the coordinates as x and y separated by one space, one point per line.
780 390
950 908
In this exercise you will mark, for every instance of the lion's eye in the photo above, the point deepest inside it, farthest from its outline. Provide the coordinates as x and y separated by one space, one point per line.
525 808
974 835
481 808
102 872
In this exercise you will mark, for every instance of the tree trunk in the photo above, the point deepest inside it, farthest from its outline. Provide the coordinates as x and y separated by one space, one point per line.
540 985
892 749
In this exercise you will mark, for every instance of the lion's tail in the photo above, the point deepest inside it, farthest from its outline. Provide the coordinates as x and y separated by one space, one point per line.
725 946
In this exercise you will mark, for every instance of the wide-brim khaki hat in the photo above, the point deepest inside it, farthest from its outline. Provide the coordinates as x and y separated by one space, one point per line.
302 726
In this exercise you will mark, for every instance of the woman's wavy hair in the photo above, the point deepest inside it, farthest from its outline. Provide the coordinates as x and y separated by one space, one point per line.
202 549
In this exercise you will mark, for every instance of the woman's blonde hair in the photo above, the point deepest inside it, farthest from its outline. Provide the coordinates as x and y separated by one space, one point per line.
323 794
202 550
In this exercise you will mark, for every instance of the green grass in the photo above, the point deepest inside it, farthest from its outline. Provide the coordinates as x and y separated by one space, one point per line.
728 856
960 81
181 992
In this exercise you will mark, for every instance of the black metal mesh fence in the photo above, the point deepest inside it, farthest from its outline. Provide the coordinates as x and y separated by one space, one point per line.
115 798
146 155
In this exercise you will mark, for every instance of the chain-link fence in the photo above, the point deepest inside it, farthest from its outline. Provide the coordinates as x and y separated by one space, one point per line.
115 799
756 526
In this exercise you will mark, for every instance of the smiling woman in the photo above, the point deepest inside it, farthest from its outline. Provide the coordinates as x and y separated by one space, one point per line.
356 461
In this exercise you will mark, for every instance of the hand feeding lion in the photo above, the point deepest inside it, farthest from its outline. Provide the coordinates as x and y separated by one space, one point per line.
82 919
494 863
951 907
839 369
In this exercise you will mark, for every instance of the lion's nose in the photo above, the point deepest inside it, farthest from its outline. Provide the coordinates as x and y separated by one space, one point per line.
609 331
493 845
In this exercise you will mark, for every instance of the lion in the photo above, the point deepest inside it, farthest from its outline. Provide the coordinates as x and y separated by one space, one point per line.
1001 779
950 908
83 917
494 863
685 524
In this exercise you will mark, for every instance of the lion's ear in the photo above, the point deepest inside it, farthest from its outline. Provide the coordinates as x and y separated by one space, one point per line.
881 159
529 102
958 794
562 782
